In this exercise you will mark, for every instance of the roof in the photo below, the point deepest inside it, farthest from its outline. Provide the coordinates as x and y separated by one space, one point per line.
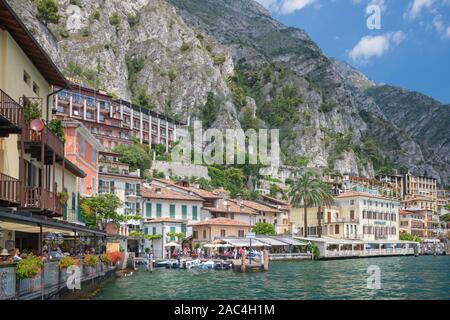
74 169
350 194
278 201
231 207
244 242
159 220
221 222
40 59
411 211
419 198
166 193
199 192
259 207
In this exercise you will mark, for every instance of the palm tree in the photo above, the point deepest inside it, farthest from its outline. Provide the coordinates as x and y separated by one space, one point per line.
327 200
308 191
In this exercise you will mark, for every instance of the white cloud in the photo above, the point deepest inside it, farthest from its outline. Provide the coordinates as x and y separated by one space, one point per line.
369 47
417 6
286 6
446 35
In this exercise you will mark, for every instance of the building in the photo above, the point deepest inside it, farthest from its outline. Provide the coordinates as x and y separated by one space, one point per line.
418 201
285 217
415 186
36 178
209 230
413 222
116 178
355 215
83 149
230 209
115 122
266 214
167 210
443 198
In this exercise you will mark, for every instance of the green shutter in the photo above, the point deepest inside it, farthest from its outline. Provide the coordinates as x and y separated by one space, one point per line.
184 212
73 201
172 211
183 228
148 210
65 211
194 213
158 210
172 229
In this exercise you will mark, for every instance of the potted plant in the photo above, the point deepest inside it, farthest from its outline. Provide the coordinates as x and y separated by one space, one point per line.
90 260
105 259
57 128
63 197
67 262
29 268
32 111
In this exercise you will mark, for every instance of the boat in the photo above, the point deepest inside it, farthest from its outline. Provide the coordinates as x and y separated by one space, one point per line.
162 264
222 265
207 265
191 264
173 264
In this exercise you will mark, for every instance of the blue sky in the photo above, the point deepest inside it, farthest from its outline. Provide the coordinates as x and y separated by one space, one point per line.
411 50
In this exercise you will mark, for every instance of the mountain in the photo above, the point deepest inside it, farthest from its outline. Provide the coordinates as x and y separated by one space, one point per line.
230 64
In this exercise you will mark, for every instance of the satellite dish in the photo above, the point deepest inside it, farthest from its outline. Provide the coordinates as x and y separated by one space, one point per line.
37 125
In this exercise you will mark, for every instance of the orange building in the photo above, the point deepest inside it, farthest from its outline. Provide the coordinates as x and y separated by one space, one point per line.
82 149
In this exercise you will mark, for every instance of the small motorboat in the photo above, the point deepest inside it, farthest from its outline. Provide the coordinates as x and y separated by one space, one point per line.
173 264
222 265
207 265
162 264
191 264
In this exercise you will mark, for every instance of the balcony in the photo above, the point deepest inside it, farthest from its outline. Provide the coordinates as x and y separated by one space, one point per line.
11 115
33 141
9 191
39 199
132 193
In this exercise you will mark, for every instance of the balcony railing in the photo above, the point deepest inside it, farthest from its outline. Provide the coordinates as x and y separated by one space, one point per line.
45 136
11 110
9 189
39 198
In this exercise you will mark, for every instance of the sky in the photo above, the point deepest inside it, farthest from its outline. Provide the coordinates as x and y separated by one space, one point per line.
405 43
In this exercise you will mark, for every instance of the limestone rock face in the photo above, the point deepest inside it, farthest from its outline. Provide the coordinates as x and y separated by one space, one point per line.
170 54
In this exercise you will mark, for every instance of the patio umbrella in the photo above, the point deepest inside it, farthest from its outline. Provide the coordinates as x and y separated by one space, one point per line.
209 245
172 244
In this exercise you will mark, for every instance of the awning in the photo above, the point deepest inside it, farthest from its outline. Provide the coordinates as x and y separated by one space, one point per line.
293 242
27 222
274 242
243 242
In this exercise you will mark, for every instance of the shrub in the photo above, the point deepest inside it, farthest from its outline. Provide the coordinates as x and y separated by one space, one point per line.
133 20
186 46
115 257
47 11
90 260
32 111
219 60
97 15
64 33
172 73
57 128
327 106
66 262
114 20
105 259
29 267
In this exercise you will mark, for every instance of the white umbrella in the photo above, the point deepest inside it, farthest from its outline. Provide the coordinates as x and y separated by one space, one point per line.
172 244
209 245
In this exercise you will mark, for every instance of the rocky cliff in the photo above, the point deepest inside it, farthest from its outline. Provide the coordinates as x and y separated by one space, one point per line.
230 64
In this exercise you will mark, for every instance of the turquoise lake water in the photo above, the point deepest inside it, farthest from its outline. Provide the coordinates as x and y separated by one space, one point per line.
424 277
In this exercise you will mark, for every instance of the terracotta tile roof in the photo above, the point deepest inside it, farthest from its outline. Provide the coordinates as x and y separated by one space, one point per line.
221 222
166 193
405 212
360 194
279 201
232 207
259 207
420 198
158 220
199 192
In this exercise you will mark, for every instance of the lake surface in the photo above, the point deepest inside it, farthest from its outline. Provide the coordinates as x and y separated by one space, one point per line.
424 277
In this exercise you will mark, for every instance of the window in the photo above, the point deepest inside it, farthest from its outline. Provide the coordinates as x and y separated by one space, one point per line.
241 233
336 229
82 185
184 212
154 230
172 211
195 234
93 155
172 230
35 88
148 209
82 146
204 234
73 201
223 233
183 228
93 185
26 78
158 210
194 213
352 202
146 231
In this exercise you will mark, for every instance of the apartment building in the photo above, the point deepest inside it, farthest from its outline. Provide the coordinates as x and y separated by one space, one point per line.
83 149
415 186
167 210
266 214
115 122
413 222
35 174
209 230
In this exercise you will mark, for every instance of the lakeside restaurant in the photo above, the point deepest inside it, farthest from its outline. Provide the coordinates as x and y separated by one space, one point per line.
343 248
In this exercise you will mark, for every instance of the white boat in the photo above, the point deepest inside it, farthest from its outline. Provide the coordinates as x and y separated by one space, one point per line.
207 265
192 264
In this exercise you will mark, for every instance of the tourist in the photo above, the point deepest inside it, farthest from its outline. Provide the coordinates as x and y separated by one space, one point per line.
4 256
235 252
14 253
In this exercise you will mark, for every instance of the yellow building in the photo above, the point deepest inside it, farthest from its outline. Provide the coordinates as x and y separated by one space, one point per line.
356 215
209 230
34 173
